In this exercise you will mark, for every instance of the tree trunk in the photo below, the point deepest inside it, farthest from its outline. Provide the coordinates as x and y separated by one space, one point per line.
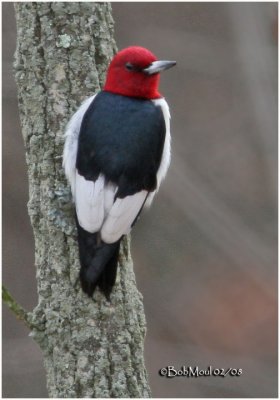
91 348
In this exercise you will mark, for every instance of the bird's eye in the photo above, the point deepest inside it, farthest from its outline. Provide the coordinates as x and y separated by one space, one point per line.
129 67
133 68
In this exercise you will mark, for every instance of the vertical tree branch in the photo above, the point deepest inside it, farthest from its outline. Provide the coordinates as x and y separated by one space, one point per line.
91 348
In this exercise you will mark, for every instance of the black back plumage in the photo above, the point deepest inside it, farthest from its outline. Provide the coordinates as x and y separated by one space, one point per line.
123 138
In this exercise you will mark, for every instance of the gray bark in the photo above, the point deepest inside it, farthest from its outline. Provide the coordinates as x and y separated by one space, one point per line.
91 348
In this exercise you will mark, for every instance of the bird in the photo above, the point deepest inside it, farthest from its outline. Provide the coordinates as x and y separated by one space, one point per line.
116 154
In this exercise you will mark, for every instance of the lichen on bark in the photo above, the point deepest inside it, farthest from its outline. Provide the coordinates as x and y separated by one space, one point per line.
91 347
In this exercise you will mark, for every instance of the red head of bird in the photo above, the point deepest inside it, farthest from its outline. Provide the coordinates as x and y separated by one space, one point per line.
134 72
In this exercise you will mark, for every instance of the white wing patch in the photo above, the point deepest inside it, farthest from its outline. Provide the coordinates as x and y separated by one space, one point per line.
97 211
166 154
121 216
89 198
109 196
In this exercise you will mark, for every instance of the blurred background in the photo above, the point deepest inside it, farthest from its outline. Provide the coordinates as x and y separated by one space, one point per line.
206 254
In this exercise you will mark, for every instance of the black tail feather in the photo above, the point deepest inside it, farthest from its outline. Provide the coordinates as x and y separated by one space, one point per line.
98 261
107 278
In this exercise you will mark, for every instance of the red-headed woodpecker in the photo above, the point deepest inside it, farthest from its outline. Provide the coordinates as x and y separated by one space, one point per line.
116 153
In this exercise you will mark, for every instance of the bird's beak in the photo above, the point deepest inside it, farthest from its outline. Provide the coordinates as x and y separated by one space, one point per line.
158 66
